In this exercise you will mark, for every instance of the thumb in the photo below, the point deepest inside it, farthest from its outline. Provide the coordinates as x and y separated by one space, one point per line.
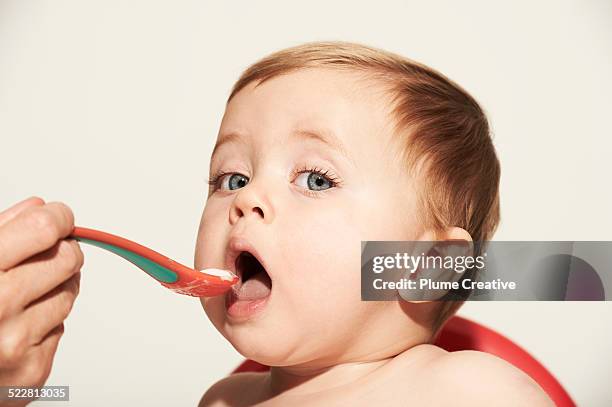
10 213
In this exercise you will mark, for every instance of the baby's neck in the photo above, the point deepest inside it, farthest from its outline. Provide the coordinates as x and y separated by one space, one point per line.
301 380
310 378
306 380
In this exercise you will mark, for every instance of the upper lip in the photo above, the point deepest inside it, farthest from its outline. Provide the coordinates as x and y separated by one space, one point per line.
237 245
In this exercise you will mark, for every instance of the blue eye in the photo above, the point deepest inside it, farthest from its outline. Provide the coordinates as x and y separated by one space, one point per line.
234 181
229 181
314 181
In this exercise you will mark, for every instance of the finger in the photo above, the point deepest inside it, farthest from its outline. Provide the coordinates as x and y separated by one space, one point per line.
51 310
11 212
32 231
39 274
38 360
46 350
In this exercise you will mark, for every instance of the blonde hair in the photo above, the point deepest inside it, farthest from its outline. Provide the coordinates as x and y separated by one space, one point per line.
445 133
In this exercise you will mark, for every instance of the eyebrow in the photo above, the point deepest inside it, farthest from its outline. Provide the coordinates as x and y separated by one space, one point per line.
227 138
323 136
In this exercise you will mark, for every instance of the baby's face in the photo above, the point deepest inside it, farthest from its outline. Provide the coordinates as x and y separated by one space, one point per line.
304 205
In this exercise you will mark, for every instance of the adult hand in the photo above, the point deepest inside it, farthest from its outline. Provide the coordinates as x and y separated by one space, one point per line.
39 282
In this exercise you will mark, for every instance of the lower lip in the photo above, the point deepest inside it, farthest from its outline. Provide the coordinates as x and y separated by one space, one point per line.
243 309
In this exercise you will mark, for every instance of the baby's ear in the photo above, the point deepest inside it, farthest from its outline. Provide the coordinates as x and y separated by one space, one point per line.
456 233
450 233
451 242
455 241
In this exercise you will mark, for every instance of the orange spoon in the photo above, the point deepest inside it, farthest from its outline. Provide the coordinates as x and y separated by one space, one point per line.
171 274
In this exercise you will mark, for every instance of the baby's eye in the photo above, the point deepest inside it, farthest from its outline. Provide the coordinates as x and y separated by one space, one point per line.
314 181
233 181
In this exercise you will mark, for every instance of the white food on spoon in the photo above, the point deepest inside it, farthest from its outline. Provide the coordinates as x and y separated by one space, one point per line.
223 274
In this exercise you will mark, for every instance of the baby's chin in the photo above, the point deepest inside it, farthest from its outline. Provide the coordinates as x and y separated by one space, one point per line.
276 350
270 338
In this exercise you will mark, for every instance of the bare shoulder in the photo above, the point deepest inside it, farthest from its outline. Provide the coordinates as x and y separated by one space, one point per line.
238 389
478 378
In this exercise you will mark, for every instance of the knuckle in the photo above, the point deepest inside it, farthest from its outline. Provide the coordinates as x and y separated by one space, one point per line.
68 256
78 252
66 212
72 294
34 373
66 300
42 219
77 284
11 349
44 224
66 308
36 200
5 308
5 298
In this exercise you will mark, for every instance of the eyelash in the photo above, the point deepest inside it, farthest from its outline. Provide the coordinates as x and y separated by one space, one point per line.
330 176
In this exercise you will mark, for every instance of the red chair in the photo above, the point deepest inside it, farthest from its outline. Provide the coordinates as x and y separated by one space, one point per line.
462 334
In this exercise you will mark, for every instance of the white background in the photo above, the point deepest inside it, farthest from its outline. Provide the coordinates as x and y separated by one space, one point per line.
113 107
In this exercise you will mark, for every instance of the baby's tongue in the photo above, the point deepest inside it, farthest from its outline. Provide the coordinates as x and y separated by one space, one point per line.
258 286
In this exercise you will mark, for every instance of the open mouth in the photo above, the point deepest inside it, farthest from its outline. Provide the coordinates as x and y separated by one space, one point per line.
255 282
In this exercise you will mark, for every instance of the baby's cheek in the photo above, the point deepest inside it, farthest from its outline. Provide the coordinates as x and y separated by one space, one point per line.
210 250
327 271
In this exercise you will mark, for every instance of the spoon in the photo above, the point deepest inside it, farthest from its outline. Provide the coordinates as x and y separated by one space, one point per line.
171 274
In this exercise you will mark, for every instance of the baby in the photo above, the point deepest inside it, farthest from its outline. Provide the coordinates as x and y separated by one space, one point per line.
322 146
